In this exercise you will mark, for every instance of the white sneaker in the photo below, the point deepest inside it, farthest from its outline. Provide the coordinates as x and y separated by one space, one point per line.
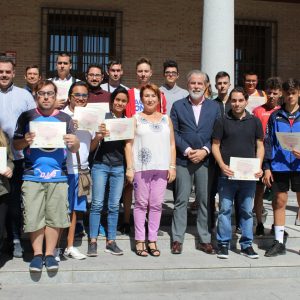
56 253
74 253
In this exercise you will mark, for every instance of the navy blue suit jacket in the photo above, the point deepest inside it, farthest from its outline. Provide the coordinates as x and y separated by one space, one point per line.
187 132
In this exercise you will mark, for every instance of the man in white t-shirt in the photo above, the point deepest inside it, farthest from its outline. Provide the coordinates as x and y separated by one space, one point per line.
64 79
115 73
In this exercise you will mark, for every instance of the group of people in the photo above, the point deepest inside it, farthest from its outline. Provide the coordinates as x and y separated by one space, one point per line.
178 134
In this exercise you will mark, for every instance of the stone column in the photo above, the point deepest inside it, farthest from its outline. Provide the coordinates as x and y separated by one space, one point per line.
218 39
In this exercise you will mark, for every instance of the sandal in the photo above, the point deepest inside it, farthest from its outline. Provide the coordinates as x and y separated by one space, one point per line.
141 252
153 251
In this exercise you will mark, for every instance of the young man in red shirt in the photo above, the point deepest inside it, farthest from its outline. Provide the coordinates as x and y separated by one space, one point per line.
274 92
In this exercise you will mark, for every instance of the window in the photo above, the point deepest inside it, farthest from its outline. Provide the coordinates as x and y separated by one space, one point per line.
89 36
255 49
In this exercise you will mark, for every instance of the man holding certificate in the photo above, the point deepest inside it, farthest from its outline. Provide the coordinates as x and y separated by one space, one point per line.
239 151
45 181
282 159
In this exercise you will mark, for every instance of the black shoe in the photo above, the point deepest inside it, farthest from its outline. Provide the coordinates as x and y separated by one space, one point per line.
249 252
260 230
123 229
92 249
222 252
276 249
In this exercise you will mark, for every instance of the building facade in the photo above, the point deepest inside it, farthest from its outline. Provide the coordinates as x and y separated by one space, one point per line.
266 35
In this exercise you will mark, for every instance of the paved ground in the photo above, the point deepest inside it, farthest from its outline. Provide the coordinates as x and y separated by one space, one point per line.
266 289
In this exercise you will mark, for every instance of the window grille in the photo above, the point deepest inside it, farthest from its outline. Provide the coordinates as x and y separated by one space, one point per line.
255 49
89 36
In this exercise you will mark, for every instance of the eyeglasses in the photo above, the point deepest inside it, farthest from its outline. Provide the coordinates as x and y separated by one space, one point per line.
168 73
94 75
79 96
62 63
48 94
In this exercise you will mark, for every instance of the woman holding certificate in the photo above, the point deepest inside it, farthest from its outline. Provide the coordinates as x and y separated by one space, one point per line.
150 159
108 169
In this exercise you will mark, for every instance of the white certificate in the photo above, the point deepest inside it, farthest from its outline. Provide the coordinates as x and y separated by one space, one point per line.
119 129
3 159
244 168
254 102
102 106
62 90
89 118
48 134
288 141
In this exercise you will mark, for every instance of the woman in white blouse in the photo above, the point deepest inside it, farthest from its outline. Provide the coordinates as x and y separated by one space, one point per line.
150 159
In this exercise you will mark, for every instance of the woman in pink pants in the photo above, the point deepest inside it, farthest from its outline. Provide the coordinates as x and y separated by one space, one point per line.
150 159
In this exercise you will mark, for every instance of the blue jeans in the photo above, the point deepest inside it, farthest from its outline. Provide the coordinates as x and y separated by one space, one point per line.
102 175
242 192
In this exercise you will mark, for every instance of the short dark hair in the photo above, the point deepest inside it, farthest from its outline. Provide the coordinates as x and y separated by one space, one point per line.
169 63
291 84
45 82
8 60
249 72
239 89
113 62
77 83
273 83
32 67
64 54
94 65
143 60
222 74
118 90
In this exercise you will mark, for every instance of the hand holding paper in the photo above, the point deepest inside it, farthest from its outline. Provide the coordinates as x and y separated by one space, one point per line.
245 168
119 129
46 134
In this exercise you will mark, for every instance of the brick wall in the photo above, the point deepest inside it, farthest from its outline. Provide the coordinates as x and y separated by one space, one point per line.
157 29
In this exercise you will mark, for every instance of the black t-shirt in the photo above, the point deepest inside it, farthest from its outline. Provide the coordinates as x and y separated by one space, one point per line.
237 137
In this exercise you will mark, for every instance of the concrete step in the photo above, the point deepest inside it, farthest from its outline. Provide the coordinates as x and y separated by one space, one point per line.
190 265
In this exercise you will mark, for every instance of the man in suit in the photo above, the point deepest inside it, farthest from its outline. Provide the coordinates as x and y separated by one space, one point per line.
193 119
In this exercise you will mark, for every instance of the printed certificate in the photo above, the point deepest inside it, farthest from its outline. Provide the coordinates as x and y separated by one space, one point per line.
48 134
119 129
3 159
102 106
288 141
244 168
62 90
254 102
89 118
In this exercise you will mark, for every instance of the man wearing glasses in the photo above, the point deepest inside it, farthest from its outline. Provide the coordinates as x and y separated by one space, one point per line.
250 84
94 78
170 89
64 79
45 188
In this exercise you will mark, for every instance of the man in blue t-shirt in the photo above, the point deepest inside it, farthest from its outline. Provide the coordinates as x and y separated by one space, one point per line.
45 181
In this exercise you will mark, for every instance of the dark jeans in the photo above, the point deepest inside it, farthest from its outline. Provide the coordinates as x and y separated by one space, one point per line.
3 211
14 216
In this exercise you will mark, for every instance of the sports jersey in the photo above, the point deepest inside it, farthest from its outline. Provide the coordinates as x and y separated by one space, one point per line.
43 165
263 114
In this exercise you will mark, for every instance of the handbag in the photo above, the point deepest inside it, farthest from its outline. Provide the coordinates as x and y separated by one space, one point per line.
84 179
